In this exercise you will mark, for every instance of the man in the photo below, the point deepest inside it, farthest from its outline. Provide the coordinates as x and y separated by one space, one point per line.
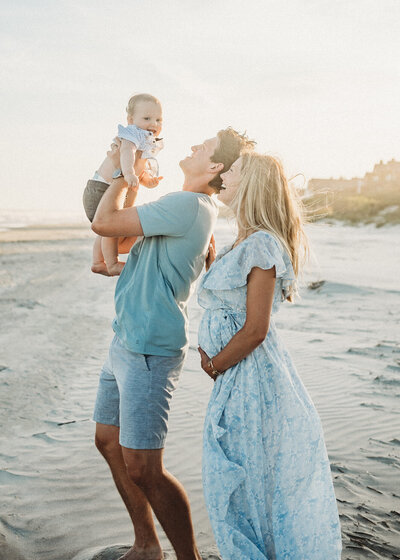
147 353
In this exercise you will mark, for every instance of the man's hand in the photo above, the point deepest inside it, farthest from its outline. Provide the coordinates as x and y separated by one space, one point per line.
210 258
148 180
114 154
204 363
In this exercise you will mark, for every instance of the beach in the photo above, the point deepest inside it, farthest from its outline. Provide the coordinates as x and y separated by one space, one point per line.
58 498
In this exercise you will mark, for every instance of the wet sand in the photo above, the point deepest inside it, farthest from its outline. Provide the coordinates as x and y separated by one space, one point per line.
58 499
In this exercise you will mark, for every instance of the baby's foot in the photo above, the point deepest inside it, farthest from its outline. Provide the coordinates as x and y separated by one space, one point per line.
100 268
115 269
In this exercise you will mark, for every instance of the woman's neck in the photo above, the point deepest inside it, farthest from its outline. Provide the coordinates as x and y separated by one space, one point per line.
241 236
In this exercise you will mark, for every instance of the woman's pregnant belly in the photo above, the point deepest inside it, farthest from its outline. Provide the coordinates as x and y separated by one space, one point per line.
217 327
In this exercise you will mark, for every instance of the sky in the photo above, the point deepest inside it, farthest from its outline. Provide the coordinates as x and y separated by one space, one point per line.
314 82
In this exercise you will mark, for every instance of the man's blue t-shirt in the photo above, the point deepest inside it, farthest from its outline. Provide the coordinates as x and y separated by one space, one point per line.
155 284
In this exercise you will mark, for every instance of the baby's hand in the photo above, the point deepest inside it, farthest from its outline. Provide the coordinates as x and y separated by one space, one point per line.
149 181
131 179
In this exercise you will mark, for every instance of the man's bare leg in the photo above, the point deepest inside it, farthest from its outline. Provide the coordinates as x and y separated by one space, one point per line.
146 545
167 498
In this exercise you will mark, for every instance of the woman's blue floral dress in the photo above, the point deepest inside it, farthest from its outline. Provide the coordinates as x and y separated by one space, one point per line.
266 474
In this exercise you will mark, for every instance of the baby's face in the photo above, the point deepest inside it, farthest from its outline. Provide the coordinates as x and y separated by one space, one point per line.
147 115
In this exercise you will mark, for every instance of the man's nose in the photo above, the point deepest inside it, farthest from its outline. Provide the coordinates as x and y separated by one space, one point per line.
194 148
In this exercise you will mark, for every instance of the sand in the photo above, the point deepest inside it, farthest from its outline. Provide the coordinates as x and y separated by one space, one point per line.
58 499
45 233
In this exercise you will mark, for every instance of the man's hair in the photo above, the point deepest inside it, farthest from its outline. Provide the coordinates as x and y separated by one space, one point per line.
135 99
230 145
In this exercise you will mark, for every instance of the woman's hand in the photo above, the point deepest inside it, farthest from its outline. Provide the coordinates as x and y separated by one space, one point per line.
210 258
204 364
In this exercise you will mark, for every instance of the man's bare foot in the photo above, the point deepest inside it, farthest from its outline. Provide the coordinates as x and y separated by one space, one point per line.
100 268
115 269
136 553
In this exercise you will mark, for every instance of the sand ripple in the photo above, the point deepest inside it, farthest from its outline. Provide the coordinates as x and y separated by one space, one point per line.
58 500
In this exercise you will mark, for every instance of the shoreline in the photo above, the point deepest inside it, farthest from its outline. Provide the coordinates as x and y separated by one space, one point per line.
46 232
69 231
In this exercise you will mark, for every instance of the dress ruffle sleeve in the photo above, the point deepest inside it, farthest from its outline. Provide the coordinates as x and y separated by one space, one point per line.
260 250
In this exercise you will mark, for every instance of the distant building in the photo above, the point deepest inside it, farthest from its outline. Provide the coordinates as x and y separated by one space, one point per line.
384 176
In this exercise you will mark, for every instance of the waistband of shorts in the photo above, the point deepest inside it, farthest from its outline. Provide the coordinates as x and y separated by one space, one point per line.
97 177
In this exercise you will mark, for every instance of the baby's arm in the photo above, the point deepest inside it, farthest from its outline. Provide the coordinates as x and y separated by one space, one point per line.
140 163
127 155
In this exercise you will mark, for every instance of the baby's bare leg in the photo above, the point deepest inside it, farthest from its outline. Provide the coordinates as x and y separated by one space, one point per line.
109 246
125 244
98 264
106 249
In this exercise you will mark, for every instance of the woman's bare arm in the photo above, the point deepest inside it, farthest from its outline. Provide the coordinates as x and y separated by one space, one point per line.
260 295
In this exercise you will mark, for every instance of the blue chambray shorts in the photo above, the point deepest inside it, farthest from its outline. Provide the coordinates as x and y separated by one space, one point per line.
134 393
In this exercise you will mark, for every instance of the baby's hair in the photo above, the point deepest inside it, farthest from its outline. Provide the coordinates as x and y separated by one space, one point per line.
137 98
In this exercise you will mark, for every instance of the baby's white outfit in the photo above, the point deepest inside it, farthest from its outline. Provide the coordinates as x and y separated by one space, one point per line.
144 140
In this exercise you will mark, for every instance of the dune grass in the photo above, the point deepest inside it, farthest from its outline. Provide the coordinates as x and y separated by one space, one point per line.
372 206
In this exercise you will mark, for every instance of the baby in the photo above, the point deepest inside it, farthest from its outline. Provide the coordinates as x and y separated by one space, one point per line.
139 145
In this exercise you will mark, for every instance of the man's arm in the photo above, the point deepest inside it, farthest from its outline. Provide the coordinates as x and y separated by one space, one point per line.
171 215
111 218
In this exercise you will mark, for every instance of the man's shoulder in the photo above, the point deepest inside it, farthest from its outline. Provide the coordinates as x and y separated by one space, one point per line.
175 213
182 198
190 197
198 203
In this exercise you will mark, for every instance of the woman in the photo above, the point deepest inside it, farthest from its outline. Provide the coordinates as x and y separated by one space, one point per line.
266 473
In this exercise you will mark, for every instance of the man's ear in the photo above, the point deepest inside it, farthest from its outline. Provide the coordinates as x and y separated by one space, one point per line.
216 167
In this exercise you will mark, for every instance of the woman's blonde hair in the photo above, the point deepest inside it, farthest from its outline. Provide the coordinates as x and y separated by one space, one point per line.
265 201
